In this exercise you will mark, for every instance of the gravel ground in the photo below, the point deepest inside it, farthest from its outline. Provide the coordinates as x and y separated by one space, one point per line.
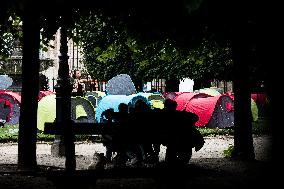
213 148
210 157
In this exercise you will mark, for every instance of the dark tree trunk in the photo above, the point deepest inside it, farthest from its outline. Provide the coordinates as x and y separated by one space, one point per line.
242 57
172 85
201 83
30 87
139 85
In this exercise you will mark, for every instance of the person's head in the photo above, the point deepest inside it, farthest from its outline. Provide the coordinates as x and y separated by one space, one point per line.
108 114
76 74
170 104
140 106
122 107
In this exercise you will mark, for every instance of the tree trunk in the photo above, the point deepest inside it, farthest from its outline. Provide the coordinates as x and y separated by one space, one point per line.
172 85
138 85
242 57
30 88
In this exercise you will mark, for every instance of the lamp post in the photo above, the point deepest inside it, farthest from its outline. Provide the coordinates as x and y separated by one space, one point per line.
64 144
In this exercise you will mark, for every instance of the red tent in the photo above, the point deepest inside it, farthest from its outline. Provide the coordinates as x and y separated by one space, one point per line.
5 110
15 100
213 111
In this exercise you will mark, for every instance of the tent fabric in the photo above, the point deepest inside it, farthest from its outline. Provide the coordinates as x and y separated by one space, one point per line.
95 97
212 111
184 98
44 93
120 85
213 91
15 100
223 115
113 101
156 99
5 110
171 95
81 110
254 108
5 82
96 93
203 107
93 100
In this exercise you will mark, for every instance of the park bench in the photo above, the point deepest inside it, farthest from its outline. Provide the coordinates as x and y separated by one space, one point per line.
87 178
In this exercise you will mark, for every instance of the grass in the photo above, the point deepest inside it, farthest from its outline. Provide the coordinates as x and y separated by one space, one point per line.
9 133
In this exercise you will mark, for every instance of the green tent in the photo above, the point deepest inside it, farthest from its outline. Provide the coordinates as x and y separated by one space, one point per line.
213 91
156 99
81 110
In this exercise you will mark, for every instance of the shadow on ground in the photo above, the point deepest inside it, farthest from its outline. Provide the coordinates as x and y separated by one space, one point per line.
200 173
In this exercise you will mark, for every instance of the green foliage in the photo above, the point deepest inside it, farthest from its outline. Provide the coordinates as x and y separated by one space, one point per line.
215 131
11 35
110 49
9 133
261 126
228 152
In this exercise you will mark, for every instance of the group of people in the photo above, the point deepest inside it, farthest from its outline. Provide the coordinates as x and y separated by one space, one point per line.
138 132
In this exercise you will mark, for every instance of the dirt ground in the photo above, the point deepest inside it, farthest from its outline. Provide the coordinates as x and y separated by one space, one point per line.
206 169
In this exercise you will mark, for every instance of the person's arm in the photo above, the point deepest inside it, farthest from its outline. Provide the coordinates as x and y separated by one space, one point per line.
85 80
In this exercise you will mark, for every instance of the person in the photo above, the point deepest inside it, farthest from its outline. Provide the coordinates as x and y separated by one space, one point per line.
184 136
107 118
78 84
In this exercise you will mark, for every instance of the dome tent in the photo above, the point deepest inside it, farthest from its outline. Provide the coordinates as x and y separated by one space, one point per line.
95 97
113 101
81 110
15 100
156 99
44 93
5 111
213 111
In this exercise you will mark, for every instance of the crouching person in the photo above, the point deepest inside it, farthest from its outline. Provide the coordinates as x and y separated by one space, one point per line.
182 136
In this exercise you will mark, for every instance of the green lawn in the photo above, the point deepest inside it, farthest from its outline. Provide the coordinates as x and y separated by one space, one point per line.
10 132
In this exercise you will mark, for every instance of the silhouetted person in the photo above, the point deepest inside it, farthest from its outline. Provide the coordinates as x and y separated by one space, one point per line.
108 116
138 132
120 139
182 135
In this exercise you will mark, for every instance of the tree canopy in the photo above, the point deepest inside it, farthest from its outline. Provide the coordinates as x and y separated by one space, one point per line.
149 39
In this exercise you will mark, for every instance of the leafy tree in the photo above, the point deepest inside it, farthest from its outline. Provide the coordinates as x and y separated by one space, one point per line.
110 48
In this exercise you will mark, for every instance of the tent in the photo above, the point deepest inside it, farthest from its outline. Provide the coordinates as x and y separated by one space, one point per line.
261 102
5 82
120 85
81 110
43 93
156 99
95 97
213 91
5 111
15 100
213 111
96 93
254 108
113 101
171 95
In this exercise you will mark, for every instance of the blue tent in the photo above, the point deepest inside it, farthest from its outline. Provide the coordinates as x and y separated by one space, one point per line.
113 101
